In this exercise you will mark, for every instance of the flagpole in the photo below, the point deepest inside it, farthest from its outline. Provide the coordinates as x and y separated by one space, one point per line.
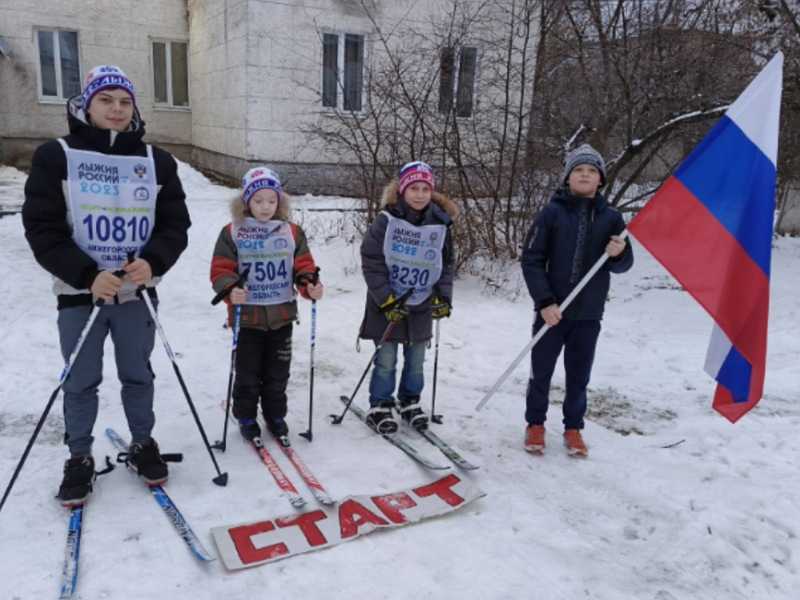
539 334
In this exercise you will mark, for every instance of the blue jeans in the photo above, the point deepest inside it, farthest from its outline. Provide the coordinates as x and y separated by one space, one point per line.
381 385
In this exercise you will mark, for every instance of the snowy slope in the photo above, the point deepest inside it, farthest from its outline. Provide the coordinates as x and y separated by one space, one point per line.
714 516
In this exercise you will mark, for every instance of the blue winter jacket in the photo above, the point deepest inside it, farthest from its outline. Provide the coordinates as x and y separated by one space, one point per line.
551 251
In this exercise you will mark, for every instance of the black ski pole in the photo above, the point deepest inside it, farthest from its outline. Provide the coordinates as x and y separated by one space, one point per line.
221 478
227 291
221 445
64 374
434 417
308 434
337 419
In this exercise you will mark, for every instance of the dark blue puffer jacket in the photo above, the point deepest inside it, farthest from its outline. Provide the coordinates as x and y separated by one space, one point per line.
553 249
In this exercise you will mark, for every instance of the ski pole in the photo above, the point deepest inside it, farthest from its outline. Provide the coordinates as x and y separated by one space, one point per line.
227 291
221 445
540 334
434 417
62 378
337 419
308 434
221 478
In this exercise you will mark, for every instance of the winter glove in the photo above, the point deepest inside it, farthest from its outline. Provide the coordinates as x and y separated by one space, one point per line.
393 310
440 308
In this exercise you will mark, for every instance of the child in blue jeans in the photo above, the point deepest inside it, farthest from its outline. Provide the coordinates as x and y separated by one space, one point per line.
409 245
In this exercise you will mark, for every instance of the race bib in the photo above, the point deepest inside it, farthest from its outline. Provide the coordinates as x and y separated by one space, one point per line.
112 203
414 257
267 250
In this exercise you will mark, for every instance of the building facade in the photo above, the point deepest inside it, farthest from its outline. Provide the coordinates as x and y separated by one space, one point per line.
224 84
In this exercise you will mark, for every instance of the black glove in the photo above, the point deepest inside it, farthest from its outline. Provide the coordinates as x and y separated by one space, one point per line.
307 277
440 307
394 310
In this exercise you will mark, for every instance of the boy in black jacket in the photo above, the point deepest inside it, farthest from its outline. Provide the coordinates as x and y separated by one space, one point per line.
568 236
92 198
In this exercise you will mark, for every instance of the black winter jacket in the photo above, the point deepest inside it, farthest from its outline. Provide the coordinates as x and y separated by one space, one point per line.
44 213
417 327
551 249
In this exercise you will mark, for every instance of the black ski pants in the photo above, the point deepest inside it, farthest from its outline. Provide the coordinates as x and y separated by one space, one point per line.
263 359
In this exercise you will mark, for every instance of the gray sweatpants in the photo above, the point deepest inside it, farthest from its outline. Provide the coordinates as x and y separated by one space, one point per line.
133 333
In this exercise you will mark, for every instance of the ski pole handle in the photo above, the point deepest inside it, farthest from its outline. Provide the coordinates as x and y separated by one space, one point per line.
120 273
226 292
401 301
306 278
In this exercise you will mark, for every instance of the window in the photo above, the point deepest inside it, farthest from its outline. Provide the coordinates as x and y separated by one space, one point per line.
171 73
59 67
457 80
342 69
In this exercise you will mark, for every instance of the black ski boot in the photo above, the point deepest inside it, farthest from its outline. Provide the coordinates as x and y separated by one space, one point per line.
77 483
277 426
412 413
381 418
249 429
146 460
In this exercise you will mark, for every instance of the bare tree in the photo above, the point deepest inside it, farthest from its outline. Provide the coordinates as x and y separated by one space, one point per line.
496 91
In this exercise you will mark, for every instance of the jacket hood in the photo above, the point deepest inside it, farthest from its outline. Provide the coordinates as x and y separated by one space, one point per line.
104 140
390 198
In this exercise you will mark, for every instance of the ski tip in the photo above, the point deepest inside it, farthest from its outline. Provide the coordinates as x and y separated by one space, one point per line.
221 479
467 466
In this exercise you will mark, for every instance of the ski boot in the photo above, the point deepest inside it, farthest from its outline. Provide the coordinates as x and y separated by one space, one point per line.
412 413
145 459
77 483
277 427
249 429
381 418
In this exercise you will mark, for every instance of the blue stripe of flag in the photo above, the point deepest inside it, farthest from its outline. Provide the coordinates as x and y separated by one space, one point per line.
735 180
734 374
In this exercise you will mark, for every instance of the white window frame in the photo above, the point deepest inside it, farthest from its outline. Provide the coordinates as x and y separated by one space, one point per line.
342 35
457 79
169 104
53 31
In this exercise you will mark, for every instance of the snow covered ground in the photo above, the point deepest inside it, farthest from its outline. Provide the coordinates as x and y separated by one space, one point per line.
674 502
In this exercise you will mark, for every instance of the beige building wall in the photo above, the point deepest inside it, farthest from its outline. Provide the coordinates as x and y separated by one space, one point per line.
109 32
257 80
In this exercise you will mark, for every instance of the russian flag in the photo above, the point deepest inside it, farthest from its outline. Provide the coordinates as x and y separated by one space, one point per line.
710 225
